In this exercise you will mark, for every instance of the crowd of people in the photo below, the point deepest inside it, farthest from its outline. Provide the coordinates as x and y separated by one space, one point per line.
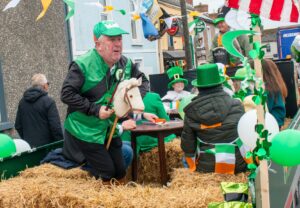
210 121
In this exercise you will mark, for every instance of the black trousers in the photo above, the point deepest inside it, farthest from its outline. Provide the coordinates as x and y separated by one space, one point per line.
105 164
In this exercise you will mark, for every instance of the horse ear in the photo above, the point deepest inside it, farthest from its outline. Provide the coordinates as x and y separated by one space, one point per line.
139 81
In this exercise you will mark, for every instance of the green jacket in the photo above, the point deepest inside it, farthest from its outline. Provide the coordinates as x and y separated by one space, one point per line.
242 44
212 106
89 85
153 104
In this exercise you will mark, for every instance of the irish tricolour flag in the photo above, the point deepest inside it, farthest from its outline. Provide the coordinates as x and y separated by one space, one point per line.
225 158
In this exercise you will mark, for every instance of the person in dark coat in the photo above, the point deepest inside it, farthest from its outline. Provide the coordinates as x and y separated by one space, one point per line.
210 126
37 120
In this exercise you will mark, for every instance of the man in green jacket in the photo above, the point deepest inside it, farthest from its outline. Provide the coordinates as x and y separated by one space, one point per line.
86 90
241 43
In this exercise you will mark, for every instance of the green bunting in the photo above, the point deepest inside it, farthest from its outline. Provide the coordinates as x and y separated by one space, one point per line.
71 6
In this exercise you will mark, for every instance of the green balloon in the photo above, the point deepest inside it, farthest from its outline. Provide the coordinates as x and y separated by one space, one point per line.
285 149
7 146
183 103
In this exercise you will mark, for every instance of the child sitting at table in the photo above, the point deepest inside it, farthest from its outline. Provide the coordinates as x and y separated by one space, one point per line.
177 82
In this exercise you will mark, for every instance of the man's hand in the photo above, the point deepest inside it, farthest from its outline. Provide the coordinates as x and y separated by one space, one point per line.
104 114
129 124
150 117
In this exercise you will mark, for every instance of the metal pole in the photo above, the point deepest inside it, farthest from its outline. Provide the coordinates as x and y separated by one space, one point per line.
186 38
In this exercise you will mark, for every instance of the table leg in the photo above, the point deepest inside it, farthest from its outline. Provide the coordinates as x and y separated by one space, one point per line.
162 159
135 157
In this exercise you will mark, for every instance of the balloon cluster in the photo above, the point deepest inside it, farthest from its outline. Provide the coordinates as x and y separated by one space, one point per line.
285 148
9 146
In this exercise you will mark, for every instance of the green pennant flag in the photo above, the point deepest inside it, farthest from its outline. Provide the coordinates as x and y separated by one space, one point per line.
71 6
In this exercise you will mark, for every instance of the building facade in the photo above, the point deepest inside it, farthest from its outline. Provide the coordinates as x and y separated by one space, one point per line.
28 46
171 48
135 46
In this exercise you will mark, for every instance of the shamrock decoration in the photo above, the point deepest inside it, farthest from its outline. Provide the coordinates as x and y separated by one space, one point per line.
257 51
255 20
260 96
241 94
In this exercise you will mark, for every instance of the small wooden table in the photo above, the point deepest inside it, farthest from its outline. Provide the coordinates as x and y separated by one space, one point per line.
159 132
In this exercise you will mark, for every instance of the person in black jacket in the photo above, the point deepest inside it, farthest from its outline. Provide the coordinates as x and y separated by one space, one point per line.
210 126
37 120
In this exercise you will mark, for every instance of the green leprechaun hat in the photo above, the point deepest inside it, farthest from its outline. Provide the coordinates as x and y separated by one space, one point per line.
217 20
208 76
241 74
175 75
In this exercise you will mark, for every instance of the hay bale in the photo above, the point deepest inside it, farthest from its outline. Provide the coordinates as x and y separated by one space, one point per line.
48 170
148 168
50 186
35 188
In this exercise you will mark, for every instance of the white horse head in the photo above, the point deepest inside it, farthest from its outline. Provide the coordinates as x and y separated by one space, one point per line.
128 98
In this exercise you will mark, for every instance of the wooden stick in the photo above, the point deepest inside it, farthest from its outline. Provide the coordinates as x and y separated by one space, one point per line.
112 131
262 188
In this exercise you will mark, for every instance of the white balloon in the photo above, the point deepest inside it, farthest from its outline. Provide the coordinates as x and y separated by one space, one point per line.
246 127
21 146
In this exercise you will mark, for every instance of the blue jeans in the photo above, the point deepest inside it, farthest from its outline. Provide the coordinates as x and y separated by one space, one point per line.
127 153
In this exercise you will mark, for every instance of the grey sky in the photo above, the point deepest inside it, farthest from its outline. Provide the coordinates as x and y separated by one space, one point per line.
213 5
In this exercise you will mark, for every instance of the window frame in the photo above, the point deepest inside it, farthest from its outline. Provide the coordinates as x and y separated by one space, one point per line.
75 51
138 28
139 60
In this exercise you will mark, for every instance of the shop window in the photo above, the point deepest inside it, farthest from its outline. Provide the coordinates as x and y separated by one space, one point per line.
139 62
170 43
